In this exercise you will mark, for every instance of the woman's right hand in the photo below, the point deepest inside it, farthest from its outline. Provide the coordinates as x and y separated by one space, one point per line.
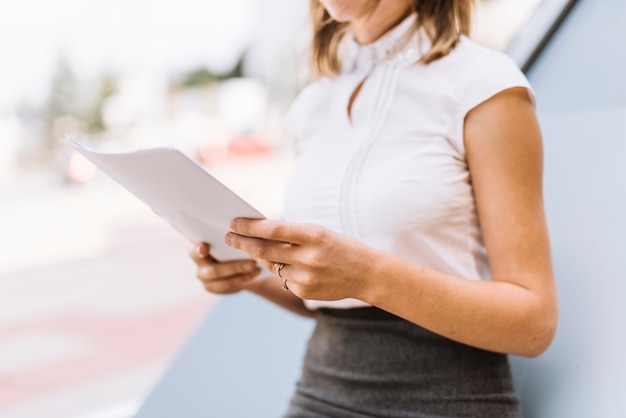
223 277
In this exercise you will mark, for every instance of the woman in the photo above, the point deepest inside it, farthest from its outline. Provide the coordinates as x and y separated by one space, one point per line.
416 235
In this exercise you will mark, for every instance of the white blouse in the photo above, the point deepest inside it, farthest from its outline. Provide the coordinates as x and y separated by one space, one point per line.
394 174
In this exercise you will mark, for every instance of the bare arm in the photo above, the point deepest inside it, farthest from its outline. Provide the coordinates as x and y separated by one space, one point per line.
515 312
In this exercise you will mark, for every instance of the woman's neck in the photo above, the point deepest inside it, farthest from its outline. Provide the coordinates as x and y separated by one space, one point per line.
386 15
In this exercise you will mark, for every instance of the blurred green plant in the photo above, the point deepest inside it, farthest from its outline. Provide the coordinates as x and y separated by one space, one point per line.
202 76
70 100
107 87
62 100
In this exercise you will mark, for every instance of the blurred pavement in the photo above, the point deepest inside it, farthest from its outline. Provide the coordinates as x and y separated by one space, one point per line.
97 294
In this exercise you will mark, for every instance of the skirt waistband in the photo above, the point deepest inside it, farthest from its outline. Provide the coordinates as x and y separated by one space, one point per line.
371 313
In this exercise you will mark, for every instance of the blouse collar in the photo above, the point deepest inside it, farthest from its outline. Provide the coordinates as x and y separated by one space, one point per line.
396 47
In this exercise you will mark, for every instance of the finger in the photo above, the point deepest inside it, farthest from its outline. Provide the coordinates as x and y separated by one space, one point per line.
260 249
278 231
208 270
229 285
200 251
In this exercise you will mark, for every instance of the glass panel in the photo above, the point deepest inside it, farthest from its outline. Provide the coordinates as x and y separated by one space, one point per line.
497 21
581 97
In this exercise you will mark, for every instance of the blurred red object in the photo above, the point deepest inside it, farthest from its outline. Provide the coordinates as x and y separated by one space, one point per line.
244 146
213 153
248 146
80 170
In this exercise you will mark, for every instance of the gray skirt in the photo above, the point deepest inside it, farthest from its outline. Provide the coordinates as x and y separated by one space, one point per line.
368 363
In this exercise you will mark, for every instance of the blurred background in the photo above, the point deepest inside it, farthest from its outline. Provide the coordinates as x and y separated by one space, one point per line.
96 292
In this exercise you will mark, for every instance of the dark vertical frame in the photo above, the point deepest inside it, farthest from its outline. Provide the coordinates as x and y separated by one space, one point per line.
533 37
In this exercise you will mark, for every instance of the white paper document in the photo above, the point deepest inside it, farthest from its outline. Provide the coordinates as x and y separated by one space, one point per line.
178 190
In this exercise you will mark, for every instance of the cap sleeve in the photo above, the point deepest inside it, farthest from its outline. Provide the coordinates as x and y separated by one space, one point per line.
493 73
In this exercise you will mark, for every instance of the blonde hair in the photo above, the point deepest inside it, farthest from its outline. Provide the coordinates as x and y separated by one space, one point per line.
443 21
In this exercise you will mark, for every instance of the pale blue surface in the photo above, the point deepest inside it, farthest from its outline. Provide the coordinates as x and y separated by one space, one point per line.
580 82
242 362
584 66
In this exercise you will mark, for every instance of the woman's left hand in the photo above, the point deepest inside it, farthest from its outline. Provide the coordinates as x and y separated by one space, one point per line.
318 264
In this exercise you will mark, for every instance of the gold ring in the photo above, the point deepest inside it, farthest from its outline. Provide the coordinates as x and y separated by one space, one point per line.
279 267
285 287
